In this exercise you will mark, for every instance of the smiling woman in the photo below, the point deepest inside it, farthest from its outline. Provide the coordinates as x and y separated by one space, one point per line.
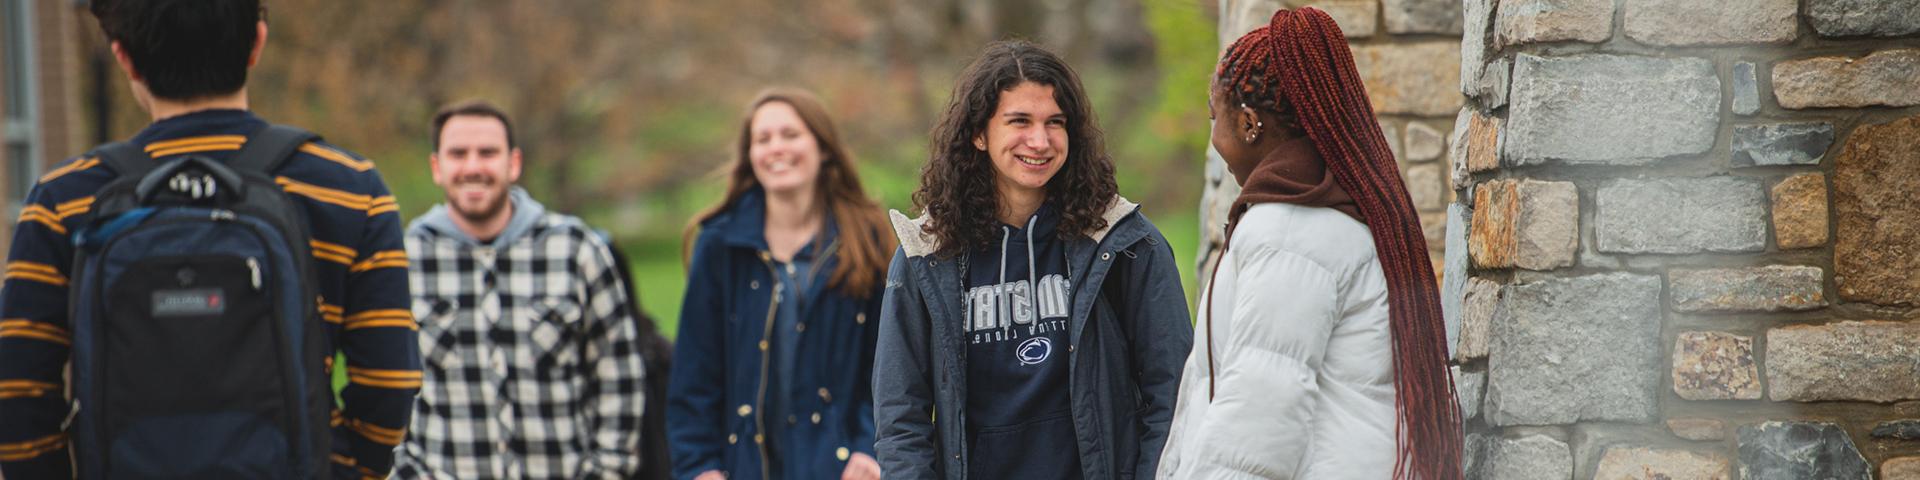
775 352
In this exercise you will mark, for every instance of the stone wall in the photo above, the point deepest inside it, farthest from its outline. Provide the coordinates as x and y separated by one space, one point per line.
1686 241
1681 239
1408 53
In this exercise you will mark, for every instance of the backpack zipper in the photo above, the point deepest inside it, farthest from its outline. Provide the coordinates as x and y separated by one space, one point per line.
253 265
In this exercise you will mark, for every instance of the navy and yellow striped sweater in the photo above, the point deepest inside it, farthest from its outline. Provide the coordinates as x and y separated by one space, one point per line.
358 254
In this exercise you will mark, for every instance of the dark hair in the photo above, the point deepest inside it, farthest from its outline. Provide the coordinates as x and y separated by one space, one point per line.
1300 62
184 49
866 245
469 108
956 186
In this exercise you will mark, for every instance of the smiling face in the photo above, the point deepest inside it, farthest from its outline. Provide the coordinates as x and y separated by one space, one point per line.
475 166
1026 139
784 153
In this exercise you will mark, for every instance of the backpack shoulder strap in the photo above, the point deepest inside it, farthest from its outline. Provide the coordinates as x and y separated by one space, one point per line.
125 158
269 148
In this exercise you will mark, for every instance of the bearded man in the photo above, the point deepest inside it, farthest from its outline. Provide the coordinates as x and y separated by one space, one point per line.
531 366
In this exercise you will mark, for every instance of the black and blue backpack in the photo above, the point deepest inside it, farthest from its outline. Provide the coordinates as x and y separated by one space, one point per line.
198 347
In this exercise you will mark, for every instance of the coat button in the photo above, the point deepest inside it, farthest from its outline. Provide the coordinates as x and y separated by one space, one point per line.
860 318
759 439
825 396
792 419
800 327
763 345
746 410
753 285
816 418
841 453
1106 255
733 438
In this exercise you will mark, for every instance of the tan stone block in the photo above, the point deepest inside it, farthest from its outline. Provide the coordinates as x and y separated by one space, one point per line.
1715 366
1698 429
1800 211
1425 185
1529 21
1496 207
1902 468
1411 78
1621 463
1483 143
1883 78
1877 213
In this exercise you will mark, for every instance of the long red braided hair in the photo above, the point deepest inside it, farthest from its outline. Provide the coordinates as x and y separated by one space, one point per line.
1299 60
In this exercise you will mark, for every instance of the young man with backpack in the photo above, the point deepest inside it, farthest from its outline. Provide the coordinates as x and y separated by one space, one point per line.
200 277
533 365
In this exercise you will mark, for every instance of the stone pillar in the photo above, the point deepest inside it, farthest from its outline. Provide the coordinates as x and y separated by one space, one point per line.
1408 56
1686 238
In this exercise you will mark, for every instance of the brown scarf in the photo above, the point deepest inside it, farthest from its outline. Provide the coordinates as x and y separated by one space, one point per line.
1292 173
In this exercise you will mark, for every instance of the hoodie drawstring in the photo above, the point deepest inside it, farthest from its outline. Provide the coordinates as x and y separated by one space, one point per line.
1006 305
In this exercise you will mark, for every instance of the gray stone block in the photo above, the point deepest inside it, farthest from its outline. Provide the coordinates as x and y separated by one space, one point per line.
1693 22
1423 142
1871 361
1770 288
1469 388
1476 320
1852 18
1781 144
1453 272
1422 16
1905 429
1746 89
1597 109
1800 450
1457 151
1681 215
1532 457
1603 330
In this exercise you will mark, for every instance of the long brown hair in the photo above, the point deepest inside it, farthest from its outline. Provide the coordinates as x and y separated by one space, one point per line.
1300 61
956 186
865 244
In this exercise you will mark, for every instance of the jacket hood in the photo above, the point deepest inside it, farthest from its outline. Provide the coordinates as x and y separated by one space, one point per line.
526 212
918 242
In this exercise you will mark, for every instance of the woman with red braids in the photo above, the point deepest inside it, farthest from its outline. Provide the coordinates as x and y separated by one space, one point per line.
1319 351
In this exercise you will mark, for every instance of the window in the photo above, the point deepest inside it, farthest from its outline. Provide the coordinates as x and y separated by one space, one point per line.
22 134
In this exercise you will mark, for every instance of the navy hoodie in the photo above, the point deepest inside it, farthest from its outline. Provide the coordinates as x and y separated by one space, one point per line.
1019 422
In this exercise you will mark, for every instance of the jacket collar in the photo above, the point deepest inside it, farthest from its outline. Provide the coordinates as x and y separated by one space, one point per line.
918 242
744 223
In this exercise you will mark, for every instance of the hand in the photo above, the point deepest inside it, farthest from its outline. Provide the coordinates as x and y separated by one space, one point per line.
861 467
711 475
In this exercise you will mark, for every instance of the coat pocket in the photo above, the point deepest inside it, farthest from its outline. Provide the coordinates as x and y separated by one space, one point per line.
553 333
439 335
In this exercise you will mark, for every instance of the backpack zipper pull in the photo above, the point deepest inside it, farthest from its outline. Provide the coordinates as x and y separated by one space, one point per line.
254 266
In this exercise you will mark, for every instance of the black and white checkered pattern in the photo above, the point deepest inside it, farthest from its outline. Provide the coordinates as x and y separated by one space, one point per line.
530 361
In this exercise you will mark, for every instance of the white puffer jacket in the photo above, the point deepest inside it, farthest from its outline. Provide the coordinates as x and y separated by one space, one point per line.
1301 370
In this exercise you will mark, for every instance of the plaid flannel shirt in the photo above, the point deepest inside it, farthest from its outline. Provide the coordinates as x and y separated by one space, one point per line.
531 369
